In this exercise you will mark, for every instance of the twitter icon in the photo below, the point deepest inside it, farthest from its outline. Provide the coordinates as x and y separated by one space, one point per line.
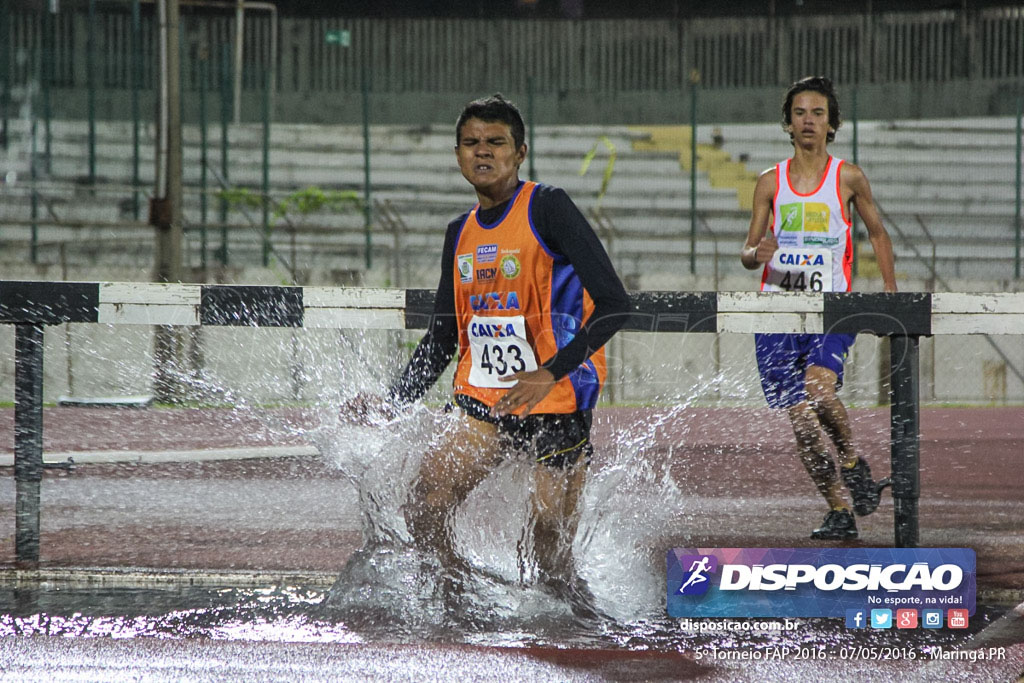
881 618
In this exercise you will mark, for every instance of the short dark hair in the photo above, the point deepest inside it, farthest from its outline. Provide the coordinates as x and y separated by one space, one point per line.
818 84
491 109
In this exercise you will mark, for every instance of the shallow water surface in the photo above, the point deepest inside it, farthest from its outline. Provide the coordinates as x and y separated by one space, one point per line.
302 614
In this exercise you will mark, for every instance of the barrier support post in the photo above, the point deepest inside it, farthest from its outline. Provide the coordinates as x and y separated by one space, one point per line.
28 440
905 438
367 185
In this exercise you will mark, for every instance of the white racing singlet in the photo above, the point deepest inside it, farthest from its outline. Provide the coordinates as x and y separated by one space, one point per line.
813 231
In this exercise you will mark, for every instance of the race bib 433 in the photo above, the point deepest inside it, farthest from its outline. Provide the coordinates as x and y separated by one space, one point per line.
499 348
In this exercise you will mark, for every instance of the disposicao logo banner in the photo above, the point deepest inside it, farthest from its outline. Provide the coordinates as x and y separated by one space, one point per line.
816 582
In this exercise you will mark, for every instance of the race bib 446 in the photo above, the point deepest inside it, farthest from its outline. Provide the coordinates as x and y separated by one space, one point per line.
795 269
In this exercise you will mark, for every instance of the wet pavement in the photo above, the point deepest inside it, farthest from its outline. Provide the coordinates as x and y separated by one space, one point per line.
296 520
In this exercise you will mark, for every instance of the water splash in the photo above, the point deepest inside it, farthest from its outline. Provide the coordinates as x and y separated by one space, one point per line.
629 503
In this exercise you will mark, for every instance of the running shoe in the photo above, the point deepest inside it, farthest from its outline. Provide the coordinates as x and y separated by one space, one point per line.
866 492
838 526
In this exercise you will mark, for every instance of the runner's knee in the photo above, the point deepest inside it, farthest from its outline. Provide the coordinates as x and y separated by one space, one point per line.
805 423
820 385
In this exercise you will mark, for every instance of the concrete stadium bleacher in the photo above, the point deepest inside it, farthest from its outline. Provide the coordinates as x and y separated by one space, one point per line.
954 177
413 170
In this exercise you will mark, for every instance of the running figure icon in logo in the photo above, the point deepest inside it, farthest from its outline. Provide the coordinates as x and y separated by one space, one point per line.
697 581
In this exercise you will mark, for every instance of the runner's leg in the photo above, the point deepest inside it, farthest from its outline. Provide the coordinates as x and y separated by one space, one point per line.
465 455
814 455
821 393
555 518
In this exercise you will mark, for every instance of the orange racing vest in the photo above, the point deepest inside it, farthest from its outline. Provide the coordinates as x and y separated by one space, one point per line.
516 303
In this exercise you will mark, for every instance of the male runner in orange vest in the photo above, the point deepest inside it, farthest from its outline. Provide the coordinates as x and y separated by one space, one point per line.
800 234
527 299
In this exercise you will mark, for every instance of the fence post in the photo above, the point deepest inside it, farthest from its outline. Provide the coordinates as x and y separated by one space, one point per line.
46 78
136 84
33 172
28 439
203 157
532 117
90 85
225 122
5 73
367 187
266 169
904 422
694 81
1017 207
239 45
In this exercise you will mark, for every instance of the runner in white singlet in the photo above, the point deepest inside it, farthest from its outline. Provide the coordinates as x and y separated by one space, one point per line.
800 235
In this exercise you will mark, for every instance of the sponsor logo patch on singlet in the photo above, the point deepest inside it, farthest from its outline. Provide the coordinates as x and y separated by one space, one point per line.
465 264
510 267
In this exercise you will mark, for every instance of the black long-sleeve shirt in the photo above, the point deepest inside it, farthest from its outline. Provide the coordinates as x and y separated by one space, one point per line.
565 231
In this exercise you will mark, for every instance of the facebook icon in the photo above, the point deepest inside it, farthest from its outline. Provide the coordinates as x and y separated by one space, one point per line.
856 618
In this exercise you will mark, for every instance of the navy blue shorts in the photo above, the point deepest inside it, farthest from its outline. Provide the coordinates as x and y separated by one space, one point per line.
783 359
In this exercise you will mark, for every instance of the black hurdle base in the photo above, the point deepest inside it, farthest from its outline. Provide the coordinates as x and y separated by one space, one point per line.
905 428
28 441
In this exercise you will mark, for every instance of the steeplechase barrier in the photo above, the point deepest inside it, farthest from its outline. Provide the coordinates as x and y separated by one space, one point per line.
903 317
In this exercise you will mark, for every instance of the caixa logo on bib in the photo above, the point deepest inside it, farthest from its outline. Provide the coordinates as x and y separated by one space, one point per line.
798 259
813 582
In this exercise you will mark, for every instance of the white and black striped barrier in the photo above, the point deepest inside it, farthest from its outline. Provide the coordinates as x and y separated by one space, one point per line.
905 317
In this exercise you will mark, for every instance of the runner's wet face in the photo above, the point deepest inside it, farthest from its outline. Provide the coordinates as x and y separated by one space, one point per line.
489 159
809 117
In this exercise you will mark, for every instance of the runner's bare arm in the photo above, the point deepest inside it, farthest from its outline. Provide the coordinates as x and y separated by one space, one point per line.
879 236
760 244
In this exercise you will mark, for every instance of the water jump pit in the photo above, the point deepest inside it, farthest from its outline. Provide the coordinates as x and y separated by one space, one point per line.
117 625
269 568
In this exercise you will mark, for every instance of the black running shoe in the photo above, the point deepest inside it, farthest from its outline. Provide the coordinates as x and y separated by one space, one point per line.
866 492
838 526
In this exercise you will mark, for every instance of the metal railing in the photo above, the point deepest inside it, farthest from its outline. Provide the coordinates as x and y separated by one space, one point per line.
438 55
936 279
